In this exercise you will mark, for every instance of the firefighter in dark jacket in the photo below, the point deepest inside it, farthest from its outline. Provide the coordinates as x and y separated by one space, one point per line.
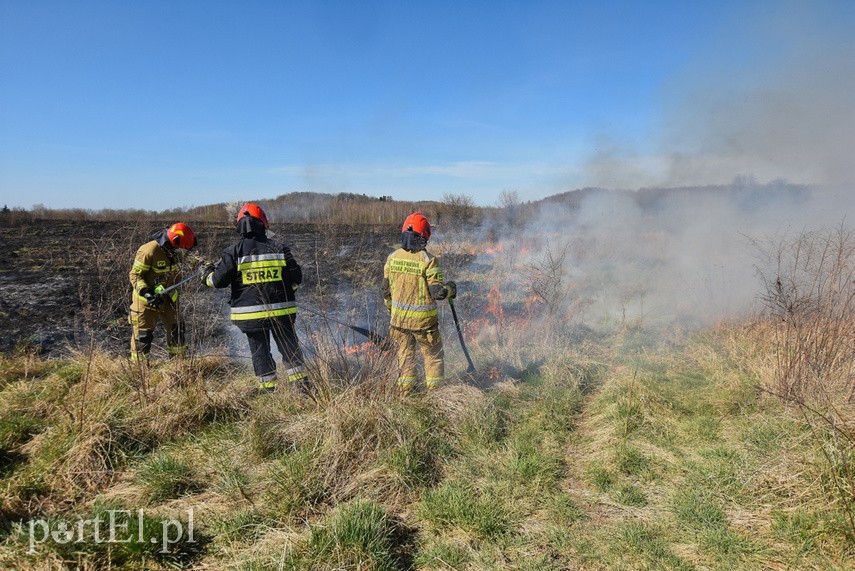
413 283
263 276
155 269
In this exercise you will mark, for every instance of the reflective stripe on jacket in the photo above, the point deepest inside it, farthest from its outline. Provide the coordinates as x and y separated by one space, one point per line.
263 276
155 263
410 276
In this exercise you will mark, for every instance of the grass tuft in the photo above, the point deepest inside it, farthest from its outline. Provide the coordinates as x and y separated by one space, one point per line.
459 505
358 535
165 477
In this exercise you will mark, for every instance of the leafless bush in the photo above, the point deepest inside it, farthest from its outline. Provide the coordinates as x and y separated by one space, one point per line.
809 294
547 280
457 210
338 357
103 287
511 212
809 290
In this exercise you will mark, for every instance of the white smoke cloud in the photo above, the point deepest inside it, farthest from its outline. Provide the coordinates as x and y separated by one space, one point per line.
774 98
661 256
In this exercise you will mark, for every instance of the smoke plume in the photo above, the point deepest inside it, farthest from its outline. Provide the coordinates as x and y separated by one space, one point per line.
773 98
755 143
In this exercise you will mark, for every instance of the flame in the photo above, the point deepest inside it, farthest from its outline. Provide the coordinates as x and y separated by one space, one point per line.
494 307
472 327
358 348
484 248
531 302
494 316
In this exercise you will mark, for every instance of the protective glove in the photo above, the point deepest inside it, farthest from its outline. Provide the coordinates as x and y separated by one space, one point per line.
207 270
451 288
158 291
151 298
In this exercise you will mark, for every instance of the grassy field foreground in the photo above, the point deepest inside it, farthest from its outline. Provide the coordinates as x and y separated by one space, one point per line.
607 455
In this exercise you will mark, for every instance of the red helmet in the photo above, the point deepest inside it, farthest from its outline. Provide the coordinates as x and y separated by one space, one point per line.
254 210
181 236
418 224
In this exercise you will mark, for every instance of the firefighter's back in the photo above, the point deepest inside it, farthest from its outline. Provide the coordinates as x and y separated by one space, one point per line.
413 307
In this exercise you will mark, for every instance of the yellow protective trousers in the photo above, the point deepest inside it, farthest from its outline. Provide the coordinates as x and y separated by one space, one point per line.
144 323
430 343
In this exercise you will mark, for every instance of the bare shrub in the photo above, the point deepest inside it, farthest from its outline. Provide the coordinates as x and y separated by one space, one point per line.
809 290
547 280
338 358
106 264
510 210
809 295
457 209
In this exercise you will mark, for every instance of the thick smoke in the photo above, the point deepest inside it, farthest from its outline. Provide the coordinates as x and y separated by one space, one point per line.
773 98
651 257
774 101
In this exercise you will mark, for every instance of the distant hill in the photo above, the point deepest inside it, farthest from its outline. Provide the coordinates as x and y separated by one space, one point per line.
349 208
748 194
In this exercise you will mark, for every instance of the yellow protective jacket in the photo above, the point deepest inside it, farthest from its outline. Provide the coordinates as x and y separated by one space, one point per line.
155 263
412 285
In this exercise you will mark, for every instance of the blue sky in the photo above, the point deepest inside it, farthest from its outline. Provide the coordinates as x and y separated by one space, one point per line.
160 104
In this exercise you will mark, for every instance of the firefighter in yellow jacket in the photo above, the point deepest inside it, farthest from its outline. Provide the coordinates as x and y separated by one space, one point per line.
155 269
413 283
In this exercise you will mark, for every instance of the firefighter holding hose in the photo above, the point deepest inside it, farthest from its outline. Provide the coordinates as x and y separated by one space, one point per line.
413 283
263 276
155 268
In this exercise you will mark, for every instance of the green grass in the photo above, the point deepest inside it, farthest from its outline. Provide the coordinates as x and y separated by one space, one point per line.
357 535
631 495
458 505
241 526
631 461
485 425
163 476
441 554
531 463
297 484
650 546
696 508
601 478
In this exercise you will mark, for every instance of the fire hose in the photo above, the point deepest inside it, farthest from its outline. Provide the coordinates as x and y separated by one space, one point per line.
383 342
375 338
196 274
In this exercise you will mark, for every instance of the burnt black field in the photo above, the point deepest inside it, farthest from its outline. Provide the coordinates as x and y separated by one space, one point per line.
65 285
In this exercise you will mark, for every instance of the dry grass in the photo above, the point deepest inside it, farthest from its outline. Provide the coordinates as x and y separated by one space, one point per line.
809 297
